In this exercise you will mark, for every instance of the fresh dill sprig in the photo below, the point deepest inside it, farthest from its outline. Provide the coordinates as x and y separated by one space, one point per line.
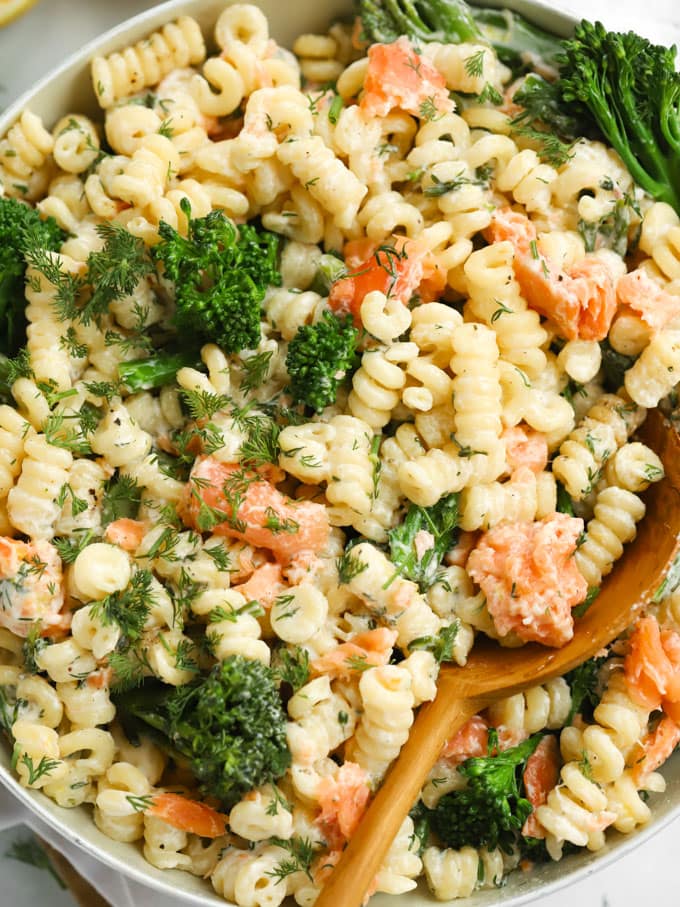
122 498
291 666
127 609
349 566
256 370
261 444
301 852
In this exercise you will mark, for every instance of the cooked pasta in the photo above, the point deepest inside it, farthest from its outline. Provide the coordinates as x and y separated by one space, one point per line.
327 373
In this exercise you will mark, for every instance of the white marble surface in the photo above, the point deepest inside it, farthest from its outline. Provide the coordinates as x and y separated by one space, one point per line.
28 49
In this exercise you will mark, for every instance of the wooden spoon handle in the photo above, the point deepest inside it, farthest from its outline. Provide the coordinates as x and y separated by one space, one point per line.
361 859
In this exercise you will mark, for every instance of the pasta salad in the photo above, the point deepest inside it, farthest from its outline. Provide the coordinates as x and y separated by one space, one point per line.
315 364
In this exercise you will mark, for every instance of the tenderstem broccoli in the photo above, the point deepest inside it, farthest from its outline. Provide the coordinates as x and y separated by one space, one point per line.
17 222
229 725
220 273
318 358
156 371
491 810
632 90
517 42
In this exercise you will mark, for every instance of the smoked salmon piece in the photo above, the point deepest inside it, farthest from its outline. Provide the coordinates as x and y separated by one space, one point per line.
525 447
654 305
125 533
226 499
188 815
652 665
541 774
656 748
368 649
31 587
399 268
343 800
529 576
581 302
399 77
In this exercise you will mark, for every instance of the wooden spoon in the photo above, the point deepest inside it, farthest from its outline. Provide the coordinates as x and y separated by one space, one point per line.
493 673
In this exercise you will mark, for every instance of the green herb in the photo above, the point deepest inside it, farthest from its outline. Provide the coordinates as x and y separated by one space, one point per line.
291 666
440 645
350 566
121 500
581 609
405 541
301 852
256 370
334 110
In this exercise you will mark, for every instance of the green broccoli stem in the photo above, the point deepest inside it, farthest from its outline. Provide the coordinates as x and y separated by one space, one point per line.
456 17
156 371
517 41
434 20
636 146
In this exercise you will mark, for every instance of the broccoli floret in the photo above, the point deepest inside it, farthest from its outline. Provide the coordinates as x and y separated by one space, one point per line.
229 725
491 810
220 274
17 220
318 358
413 558
517 42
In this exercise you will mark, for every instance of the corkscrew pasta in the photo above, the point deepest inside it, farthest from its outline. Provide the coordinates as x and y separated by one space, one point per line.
305 456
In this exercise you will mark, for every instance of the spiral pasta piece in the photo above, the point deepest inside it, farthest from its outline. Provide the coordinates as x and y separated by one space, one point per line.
542 706
387 702
616 513
660 238
393 600
33 502
119 75
657 371
582 455
25 158
378 382
495 299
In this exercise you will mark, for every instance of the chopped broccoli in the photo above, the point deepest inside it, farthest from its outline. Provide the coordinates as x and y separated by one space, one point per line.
16 221
565 503
517 42
220 274
157 370
491 809
318 358
586 687
229 725
410 552
329 269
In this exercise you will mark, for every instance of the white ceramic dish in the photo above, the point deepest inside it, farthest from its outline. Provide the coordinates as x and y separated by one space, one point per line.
68 89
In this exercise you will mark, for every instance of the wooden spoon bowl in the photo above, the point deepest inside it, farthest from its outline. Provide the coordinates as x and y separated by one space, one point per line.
493 673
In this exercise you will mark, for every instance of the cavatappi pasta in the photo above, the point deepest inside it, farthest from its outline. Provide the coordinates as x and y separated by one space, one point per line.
464 401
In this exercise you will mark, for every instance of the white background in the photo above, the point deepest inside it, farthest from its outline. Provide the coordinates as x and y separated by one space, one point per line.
28 49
